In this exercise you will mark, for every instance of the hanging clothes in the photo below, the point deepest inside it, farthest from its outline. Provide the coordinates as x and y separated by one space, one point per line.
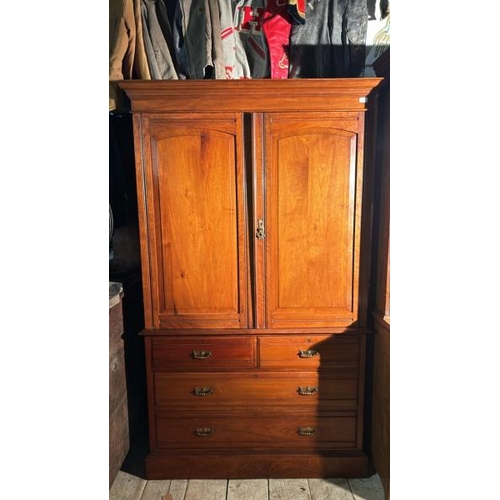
277 25
165 25
219 70
160 61
248 16
127 56
332 42
297 10
197 39
235 59
180 52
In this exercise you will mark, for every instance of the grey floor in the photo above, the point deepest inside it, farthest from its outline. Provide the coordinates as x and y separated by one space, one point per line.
129 487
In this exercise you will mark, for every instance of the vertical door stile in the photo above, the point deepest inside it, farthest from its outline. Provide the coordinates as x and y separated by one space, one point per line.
152 215
244 248
248 194
364 211
355 185
142 199
258 214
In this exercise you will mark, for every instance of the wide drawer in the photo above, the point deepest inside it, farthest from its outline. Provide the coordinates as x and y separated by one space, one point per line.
310 351
204 431
198 353
223 390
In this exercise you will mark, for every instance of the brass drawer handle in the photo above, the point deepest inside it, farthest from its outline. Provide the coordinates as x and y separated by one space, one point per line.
202 391
203 431
306 431
307 391
201 354
308 354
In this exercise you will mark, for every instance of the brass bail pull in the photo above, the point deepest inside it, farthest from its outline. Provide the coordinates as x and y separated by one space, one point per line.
201 354
308 353
203 431
202 391
307 391
306 431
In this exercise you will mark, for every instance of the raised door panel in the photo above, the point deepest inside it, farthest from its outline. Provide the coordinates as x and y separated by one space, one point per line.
196 220
313 214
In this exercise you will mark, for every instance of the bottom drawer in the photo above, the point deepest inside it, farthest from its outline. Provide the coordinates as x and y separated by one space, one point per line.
230 431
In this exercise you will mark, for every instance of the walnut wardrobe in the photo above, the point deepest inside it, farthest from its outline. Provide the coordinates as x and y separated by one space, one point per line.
255 230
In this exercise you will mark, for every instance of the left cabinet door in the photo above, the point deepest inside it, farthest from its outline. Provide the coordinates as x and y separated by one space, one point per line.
193 236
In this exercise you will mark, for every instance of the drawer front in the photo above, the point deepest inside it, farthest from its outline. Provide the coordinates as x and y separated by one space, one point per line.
302 389
198 353
278 432
310 352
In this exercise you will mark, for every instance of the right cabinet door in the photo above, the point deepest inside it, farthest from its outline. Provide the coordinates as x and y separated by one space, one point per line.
312 184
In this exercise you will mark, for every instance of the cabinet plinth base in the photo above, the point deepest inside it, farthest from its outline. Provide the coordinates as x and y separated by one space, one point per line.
256 465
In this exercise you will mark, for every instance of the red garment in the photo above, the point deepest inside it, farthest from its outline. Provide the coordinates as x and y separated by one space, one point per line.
277 25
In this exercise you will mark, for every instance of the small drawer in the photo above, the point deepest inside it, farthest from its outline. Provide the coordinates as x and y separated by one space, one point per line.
198 353
307 431
273 390
310 351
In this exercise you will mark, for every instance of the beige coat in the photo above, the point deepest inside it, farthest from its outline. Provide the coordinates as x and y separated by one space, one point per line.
127 56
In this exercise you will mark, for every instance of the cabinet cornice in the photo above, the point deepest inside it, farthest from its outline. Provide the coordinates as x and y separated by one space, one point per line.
337 94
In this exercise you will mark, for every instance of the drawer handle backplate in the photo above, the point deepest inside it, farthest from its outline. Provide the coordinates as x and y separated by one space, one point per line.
203 431
307 391
308 354
202 391
201 354
306 431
